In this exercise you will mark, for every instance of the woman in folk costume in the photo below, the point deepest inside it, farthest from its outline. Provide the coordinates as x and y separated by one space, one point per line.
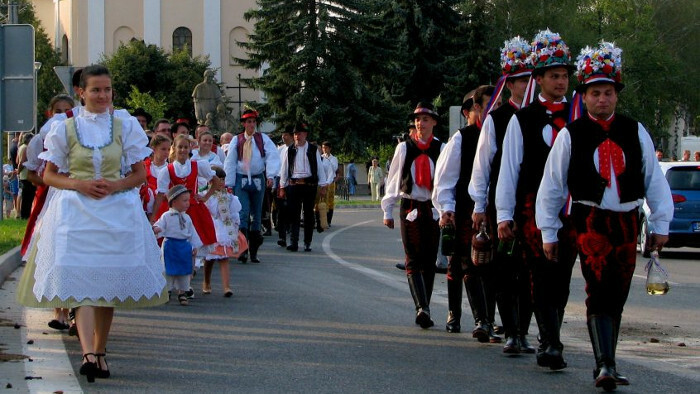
607 163
183 171
95 249
411 180
224 208
154 164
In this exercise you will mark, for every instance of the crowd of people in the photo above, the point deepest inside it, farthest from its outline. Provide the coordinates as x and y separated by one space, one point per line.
545 178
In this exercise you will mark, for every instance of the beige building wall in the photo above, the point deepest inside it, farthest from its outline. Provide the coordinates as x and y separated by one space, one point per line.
83 30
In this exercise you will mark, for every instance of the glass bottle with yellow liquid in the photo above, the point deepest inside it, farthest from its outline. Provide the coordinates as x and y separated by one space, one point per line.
657 277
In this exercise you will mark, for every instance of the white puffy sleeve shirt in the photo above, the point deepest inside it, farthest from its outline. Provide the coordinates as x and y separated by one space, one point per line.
94 131
182 170
553 190
447 171
481 171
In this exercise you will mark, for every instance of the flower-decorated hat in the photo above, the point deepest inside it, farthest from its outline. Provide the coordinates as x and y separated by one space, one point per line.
249 113
549 50
599 65
515 58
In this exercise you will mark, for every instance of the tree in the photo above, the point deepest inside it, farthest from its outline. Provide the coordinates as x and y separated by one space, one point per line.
166 77
322 63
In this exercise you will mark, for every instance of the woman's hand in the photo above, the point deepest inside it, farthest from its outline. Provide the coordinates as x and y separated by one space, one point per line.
96 189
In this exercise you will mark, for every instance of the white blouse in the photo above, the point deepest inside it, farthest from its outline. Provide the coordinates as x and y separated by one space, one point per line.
182 170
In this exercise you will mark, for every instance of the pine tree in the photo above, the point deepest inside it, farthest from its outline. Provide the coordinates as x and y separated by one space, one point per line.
324 62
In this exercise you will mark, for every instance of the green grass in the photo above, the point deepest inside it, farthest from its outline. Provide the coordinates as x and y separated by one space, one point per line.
352 202
11 233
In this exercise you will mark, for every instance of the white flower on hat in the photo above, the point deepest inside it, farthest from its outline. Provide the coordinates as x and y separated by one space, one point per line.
601 64
548 49
515 57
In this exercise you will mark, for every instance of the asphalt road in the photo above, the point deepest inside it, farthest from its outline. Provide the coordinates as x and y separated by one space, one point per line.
340 319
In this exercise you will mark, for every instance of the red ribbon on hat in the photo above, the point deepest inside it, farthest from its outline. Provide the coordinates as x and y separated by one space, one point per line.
253 114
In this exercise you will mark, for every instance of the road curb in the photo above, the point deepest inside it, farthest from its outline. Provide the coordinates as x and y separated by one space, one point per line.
9 263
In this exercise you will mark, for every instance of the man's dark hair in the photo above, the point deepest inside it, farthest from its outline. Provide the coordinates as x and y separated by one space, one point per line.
75 80
481 92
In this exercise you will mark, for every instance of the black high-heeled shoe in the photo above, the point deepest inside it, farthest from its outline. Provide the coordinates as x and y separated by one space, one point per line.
102 373
89 368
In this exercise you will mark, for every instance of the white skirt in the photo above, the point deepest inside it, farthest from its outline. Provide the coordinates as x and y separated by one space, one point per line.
97 249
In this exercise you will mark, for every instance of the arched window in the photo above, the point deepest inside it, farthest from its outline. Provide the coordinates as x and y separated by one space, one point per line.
182 38
64 50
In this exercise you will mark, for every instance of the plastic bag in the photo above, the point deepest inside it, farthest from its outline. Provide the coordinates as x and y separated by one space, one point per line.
657 276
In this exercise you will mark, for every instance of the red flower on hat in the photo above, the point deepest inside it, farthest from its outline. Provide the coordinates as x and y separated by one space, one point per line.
607 69
543 58
507 67
588 69
558 53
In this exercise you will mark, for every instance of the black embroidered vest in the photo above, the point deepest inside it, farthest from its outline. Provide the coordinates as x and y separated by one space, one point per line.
470 140
500 116
585 182
412 151
532 120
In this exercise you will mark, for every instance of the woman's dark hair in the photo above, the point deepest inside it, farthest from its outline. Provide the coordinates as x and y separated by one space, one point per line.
176 126
26 138
94 70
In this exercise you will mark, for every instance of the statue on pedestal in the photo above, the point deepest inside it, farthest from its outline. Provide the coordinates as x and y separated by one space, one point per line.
206 97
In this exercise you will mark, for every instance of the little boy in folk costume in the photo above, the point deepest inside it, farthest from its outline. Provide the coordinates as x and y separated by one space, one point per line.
224 208
607 162
181 241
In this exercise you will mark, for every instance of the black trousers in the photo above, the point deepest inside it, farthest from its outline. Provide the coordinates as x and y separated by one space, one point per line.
301 198
28 192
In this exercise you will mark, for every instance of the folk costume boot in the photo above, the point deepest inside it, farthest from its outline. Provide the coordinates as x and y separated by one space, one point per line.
329 215
454 305
255 240
524 318
243 258
318 222
619 379
601 331
477 302
552 355
420 299
507 305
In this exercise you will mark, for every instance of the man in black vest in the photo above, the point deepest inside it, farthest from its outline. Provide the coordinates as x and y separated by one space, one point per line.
528 140
301 173
410 179
514 295
608 164
452 174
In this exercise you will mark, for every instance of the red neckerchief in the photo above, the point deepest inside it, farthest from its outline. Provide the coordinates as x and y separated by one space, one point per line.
559 122
605 124
422 163
609 153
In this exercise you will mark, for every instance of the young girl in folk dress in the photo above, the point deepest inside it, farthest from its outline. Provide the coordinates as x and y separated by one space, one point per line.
183 171
95 250
224 208
154 165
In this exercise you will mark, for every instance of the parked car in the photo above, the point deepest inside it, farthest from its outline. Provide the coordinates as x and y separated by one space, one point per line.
684 180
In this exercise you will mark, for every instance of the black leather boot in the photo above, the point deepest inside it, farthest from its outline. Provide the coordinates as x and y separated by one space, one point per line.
454 305
524 318
619 379
507 305
243 258
420 299
552 356
318 222
601 331
255 240
477 302
329 216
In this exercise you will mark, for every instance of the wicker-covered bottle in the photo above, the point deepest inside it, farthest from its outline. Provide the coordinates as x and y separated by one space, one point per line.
481 246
